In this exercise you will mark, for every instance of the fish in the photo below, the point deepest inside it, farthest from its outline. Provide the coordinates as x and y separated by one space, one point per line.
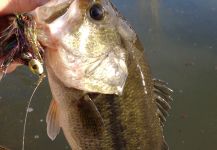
104 95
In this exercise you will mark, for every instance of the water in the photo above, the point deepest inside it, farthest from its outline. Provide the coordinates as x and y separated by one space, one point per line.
180 39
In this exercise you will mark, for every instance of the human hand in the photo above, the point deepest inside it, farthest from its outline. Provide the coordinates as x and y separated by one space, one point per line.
14 6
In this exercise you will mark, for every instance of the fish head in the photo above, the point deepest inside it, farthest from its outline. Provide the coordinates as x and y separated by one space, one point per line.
87 50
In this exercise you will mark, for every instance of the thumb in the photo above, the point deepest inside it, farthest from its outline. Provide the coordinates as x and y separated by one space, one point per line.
13 6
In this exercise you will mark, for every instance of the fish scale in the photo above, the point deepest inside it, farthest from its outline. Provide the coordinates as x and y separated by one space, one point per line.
111 111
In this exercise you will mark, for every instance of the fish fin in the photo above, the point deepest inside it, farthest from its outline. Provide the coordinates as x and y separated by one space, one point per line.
52 120
162 96
90 116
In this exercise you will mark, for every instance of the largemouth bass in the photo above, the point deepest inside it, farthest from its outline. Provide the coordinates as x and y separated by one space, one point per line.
104 96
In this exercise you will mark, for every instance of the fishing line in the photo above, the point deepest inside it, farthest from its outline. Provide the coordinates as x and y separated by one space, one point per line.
28 106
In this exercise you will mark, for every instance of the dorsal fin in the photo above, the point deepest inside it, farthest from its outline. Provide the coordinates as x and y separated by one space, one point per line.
52 119
162 96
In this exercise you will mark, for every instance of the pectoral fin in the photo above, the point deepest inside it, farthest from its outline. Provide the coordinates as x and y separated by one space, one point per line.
90 116
52 119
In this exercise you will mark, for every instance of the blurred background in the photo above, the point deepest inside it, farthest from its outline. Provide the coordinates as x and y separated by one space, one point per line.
180 40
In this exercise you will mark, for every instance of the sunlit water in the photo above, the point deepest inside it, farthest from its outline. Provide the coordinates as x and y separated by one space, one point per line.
180 40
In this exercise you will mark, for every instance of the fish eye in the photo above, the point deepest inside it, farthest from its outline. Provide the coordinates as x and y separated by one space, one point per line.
96 12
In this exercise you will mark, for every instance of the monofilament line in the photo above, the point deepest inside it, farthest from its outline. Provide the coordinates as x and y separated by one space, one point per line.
28 106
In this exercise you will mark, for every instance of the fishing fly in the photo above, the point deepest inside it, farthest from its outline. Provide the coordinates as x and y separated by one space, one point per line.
19 44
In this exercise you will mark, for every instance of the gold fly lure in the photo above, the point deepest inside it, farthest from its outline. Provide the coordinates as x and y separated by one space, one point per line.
18 43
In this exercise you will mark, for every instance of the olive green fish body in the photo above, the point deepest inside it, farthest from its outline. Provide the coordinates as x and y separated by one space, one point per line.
104 97
130 121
